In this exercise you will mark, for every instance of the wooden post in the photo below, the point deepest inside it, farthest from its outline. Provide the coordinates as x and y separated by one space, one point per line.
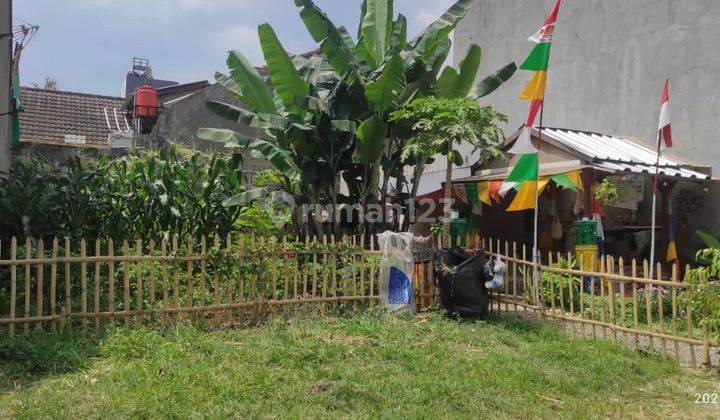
689 326
636 320
13 285
28 255
372 265
53 284
176 276
111 277
68 279
661 312
648 305
203 267
96 287
189 244
151 287
139 276
216 275
126 282
674 312
40 279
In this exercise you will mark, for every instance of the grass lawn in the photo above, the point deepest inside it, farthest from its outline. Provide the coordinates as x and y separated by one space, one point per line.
367 366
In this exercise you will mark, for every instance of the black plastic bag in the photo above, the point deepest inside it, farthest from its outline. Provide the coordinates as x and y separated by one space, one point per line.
461 278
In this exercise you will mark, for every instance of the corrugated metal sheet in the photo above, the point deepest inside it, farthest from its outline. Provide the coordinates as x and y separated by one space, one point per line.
620 154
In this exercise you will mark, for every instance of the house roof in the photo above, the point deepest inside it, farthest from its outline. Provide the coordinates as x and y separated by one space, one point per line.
609 153
68 118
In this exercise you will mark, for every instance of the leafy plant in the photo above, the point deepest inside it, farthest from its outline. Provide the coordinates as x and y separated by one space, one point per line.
703 292
440 124
607 193
326 116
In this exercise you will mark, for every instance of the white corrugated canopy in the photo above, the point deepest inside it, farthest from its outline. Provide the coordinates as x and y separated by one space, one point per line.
620 154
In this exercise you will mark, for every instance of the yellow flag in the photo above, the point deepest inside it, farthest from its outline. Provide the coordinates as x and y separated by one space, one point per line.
535 89
525 198
484 192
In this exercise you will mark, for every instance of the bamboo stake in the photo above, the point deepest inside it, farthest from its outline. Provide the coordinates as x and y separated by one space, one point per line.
690 328
362 268
334 269
297 276
552 290
314 267
176 275
706 348
603 299
83 282
636 318
324 269
40 279
592 295
562 289
525 282
661 312
273 271
28 255
674 312
304 267
228 252
126 283
623 313
189 245
96 287
152 287
53 284
610 264
111 277
571 292
582 294
139 276
13 285
514 272
68 284
216 279
372 266
241 273
648 306
286 265
203 267
164 274
507 278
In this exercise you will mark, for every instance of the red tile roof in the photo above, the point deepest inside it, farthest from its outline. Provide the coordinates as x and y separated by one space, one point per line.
67 118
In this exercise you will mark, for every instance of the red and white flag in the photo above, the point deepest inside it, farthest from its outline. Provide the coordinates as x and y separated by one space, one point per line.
664 126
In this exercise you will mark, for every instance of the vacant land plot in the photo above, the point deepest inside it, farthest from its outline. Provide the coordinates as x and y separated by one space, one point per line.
365 366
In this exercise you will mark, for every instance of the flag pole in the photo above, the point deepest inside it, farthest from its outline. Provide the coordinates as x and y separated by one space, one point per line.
536 253
654 207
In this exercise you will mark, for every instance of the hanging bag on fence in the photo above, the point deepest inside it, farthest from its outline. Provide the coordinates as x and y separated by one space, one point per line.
396 271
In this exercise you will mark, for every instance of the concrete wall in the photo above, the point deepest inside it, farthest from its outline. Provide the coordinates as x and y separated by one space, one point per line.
181 121
609 61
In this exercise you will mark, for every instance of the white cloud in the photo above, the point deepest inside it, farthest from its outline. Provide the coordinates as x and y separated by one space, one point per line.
242 38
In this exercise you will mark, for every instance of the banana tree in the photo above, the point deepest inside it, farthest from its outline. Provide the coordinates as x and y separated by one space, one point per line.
326 116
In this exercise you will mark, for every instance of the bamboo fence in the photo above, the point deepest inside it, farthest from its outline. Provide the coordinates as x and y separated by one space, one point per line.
612 299
249 278
222 279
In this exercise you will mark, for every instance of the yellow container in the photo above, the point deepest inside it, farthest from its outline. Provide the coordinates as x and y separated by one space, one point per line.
588 255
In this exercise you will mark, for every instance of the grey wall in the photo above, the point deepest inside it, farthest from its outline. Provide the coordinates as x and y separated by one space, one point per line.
608 63
181 121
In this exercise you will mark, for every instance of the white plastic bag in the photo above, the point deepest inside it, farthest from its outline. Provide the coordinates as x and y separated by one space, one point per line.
396 271
498 275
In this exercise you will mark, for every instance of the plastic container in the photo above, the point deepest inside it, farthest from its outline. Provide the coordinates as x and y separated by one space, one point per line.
588 255
146 102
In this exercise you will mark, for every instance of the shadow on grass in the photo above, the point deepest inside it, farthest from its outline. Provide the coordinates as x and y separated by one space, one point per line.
29 358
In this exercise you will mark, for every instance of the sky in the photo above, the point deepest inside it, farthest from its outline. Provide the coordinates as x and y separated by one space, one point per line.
88 45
